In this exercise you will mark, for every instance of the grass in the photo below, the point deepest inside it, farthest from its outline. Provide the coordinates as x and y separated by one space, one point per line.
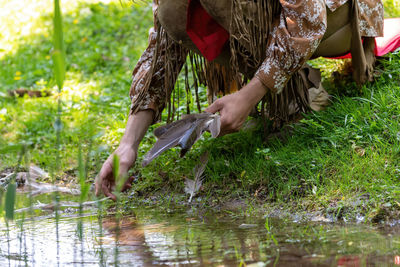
330 160
101 56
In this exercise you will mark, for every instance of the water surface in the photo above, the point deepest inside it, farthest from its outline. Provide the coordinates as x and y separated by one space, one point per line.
188 238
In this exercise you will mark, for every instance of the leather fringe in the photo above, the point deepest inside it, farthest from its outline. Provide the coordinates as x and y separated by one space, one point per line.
251 23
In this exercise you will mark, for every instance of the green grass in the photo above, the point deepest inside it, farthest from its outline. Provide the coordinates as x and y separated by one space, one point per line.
103 42
329 160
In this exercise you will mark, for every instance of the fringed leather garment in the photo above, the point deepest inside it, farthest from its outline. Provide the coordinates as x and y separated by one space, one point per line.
269 39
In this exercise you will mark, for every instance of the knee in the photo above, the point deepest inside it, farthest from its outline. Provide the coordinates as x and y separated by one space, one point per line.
172 16
220 10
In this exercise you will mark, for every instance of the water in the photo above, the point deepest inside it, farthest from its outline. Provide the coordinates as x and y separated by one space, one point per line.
188 238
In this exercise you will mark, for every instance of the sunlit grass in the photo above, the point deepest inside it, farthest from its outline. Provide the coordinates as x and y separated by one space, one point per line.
103 40
22 21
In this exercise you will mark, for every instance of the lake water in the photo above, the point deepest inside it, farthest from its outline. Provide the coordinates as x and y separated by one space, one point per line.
186 238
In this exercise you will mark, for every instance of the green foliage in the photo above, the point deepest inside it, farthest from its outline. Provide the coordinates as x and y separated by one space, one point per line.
349 150
10 200
119 180
84 185
1 201
58 51
103 43
392 8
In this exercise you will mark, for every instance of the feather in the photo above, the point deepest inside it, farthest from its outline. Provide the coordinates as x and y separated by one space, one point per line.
215 126
193 186
193 134
183 133
158 132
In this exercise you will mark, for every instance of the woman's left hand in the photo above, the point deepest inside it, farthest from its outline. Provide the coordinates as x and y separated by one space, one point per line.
235 108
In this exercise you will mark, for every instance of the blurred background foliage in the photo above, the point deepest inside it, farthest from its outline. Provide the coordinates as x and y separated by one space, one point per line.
103 41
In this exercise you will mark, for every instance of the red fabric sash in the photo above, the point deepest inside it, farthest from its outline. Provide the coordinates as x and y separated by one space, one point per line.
205 32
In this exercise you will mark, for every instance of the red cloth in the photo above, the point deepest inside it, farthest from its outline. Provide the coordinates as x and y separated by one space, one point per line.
390 40
205 32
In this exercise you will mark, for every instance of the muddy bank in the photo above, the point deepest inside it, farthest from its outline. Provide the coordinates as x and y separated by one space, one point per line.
358 210
32 181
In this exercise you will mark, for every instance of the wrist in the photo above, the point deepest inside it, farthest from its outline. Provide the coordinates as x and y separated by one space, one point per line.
253 92
136 128
130 139
129 144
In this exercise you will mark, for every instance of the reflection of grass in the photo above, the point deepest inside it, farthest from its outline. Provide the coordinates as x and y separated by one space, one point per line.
334 156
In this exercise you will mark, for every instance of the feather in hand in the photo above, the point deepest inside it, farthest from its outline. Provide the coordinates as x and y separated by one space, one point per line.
193 186
183 133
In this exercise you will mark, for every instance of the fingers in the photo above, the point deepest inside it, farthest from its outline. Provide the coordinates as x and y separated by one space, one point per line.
104 181
97 186
128 184
222 106
101 177
106 187
228 124
226 131
214 107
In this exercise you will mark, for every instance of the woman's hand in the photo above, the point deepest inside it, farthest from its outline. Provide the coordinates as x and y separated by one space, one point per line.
136 128
105 182
235 108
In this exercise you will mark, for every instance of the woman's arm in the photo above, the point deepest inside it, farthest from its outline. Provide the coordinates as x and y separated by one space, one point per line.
235 108
296 35
149 93
136 128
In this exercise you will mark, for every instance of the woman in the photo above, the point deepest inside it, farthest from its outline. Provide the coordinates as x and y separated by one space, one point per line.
266 42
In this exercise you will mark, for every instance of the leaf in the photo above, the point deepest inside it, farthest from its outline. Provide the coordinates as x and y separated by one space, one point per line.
1 200
82 176
193 186
183 133
58 42
118 179
10 200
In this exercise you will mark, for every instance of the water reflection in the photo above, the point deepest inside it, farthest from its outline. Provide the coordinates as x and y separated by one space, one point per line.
158 239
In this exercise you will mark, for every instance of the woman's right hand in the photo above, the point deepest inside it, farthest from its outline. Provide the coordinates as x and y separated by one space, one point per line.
135 130
105 181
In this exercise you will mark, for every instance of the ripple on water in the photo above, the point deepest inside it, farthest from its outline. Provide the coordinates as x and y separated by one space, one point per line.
152 238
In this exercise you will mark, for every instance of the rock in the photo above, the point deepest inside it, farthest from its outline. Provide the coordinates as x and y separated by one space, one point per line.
37 173
27 182
247 226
